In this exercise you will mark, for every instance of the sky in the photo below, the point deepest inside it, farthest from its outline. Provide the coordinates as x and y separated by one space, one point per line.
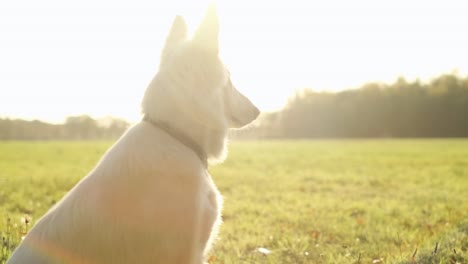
96 57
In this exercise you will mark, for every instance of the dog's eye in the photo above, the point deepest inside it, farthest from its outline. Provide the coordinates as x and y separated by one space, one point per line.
228 85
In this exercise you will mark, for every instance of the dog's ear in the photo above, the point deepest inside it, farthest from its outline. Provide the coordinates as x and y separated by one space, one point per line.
177 34
207 33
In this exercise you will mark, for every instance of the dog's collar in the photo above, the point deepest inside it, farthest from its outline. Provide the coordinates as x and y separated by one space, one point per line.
182 138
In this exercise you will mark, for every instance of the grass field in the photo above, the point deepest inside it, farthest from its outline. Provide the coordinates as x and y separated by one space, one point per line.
369 201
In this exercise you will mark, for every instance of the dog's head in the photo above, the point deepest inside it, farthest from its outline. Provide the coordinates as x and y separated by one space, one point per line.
193 81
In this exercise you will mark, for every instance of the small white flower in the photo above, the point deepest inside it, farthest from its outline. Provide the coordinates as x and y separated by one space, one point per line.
377 261
26 219
264 251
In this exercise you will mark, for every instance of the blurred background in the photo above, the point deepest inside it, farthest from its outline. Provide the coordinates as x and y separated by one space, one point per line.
72 76
316 69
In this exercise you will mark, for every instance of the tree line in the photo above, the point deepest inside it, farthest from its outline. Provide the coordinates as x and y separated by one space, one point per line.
438 108
402 109
75 128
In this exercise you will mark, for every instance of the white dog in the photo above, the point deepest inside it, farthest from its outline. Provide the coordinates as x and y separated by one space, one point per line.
151 199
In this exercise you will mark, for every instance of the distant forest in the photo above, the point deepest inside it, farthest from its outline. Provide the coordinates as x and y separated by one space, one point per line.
402 109
75 128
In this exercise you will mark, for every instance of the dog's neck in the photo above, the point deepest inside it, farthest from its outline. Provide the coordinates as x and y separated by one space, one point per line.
181 137
167 105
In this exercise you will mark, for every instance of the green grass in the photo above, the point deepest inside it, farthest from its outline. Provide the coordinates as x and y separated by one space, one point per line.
357 201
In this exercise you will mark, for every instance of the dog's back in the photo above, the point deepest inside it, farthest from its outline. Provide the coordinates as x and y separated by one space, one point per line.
138 204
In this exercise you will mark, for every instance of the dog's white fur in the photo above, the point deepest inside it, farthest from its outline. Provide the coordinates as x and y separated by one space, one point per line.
150 199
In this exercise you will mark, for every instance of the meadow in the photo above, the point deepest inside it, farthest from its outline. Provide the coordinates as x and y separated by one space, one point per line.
323 201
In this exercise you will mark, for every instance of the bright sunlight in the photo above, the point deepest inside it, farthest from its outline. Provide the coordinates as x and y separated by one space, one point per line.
60 59
346 140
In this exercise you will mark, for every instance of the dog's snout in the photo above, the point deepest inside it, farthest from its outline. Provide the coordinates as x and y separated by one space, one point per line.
256 112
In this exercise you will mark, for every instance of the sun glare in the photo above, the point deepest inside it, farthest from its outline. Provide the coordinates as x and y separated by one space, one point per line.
96 58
